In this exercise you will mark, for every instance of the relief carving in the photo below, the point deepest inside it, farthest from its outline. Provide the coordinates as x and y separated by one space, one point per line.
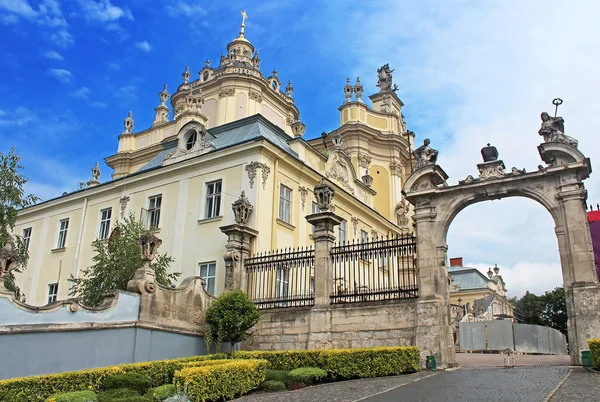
251 169
224 92
395 168
123 201
255 95
339 172
364 160
354 224
402 210
303 194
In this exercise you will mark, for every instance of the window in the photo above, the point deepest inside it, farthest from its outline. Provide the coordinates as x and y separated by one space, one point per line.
285 203
52 292
342 232
364 236
105 215
154 211
282 281
207 272
26 237
191 140
213 199
62 233
314 210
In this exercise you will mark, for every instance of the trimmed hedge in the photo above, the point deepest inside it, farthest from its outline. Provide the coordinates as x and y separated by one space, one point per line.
38 388
343 363
77 396
116 394
595 349
138 382
222 381
163 392
273 386
308 375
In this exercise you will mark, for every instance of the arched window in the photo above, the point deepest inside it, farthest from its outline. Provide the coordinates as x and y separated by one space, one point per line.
191 139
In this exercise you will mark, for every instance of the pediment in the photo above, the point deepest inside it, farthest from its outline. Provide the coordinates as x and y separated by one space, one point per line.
339 169
192 140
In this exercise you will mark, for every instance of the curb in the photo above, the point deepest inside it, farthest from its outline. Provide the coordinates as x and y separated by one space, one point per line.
397 386
561 382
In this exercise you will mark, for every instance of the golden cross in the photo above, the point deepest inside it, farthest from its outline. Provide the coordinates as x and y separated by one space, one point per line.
244 16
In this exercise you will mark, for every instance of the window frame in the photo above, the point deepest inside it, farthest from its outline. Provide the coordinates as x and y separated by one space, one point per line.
61 241
104 226
314 210
153 213
52 296
343 223
212 200
285 204
208 277
27 237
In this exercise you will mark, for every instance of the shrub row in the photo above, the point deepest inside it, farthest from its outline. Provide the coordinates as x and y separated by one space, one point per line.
595 349
221 381
38 388
343 363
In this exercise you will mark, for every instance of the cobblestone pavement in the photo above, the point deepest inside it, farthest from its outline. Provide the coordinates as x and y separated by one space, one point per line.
582 385
497 360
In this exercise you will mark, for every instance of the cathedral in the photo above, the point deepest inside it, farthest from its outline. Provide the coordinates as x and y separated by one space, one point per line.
230 131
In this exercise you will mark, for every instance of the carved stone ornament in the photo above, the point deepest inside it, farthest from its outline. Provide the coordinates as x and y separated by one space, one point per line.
491 170
255 95
348 90
242 210
256 61
425 155
323 195
298 128
186 75
364 160
194 100
339 171
149 243
374 234
516 171
123 201
289 89
354 220
384 79
225 92
402 210
8 260
95 175
367 179
358 90
395 168
289 120
468 180
251 169
386 104
128 123
553 130
303 194
163 95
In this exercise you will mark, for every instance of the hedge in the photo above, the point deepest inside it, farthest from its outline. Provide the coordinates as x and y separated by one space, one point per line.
343 363
595 349
222 381
38 388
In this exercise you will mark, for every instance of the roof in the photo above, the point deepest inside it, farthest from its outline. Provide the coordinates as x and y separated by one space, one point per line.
234 133
468 278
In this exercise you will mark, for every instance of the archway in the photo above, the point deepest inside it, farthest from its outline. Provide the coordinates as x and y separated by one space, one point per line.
558 187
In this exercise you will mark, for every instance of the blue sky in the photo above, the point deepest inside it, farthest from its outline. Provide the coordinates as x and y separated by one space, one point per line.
469 72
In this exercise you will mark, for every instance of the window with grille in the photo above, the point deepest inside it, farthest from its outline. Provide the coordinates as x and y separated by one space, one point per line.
282 281
364 236
207 272
26 237
213 199
52 292
154 204
285 204
62 233
105 215
342 232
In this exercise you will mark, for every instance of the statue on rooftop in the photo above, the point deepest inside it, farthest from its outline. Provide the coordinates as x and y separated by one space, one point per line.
129 123
384 79
553 130
425 155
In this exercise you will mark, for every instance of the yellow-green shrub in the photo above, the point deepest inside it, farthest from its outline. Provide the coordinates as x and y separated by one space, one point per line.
343 363
595 349
37 388
221 381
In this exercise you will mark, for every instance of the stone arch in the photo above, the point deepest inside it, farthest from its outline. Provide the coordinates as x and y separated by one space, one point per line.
558 187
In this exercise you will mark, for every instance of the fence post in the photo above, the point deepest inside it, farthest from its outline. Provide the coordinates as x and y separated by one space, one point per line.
324 237
238 244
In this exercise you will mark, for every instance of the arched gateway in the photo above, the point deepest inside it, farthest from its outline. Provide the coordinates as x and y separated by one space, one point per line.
558 187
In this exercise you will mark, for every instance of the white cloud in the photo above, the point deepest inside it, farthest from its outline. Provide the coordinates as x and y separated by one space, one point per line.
143 46
50 14
2 113
61 74
187 8
20 8
53 55
103 11
62 38
17 118
99 105
114 66
81 93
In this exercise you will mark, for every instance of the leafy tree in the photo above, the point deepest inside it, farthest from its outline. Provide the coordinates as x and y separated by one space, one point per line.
548 310
115 263
229 318
12 199
529 309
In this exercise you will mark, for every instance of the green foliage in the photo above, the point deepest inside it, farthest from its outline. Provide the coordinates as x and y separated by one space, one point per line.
115 263
132 381
12 199
116 394
272 386
223 381
278 375
179 397
595 349
231 316
163 392
343 363
37 388
308 375
78 396
137 398
548 310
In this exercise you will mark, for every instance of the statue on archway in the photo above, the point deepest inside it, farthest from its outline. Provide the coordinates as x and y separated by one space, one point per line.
425 155
553 130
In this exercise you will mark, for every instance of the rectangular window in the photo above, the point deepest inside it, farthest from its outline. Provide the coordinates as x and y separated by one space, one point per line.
285 204
315 210
62 233
52 292
105 215
154 211
282 281
213 199
342 232
26 237
207 272
364 236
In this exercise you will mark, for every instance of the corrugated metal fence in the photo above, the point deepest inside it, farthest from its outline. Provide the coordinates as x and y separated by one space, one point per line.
503 334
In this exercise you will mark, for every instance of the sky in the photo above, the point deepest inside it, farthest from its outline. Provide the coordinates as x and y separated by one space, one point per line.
469 73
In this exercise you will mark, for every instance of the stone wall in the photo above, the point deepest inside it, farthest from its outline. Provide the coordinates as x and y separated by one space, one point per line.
389 323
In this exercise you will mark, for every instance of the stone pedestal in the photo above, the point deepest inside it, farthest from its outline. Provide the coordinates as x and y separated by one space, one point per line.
237 249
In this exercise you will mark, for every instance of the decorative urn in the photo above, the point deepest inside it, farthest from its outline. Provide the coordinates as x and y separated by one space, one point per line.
148 245
489 153
323 194
242 208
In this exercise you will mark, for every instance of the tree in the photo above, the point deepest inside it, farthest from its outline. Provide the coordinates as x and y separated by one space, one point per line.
530 308
115 263
12 199
548 310
229 318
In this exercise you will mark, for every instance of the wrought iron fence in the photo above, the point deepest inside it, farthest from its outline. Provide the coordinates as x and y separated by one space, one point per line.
282 278
380 269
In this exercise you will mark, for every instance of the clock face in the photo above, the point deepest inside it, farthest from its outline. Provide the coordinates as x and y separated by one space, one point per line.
274 84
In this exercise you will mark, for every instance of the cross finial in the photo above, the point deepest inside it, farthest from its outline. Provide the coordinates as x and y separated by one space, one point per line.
556 102
244 18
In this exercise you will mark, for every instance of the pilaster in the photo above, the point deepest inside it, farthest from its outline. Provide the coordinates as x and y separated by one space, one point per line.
238 248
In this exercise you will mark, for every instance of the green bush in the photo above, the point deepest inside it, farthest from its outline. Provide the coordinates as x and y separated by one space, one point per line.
134 381
116 394
224 381
78 396
278 375
38 388
163 392
272 386
308 375
595 349
343 363
137 398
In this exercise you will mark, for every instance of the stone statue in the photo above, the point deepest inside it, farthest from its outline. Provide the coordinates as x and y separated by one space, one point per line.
384 79
129 123
425 155
163 95
553 129
386 104
96 171
289 90
223 58
186 75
